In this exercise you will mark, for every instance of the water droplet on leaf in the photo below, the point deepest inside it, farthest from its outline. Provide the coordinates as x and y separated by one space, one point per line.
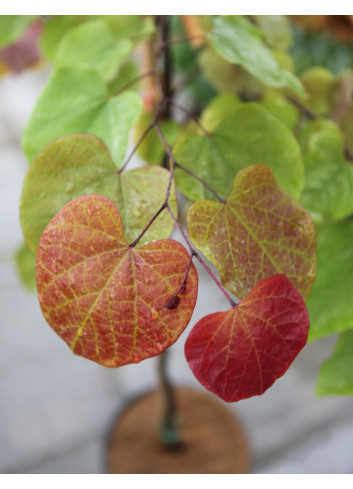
154 314
159 346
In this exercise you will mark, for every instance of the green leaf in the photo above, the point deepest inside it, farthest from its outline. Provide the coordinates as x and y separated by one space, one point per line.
336 373
53 30
26 267
276 29
224 76
75 99
239 42
140 193
319 84
126 73
329 179
217 110
248 135
80 164
64 169
259 231
330 305
133 27
110 302
277 105
13 26
92 43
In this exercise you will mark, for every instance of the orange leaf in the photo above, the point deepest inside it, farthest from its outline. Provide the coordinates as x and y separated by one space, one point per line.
108 301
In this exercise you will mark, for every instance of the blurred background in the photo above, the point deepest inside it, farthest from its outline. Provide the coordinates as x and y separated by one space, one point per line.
56 409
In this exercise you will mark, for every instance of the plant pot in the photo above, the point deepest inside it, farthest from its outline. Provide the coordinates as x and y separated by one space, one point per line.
213 441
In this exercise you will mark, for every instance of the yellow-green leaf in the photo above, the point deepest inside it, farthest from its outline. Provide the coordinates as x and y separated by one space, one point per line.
259 231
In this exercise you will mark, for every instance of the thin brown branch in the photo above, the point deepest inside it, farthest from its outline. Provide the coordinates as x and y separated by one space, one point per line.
135 148
198 257
190 39
348 154
161 209
169 153
307 112
174 301
193 175
134 81
189 115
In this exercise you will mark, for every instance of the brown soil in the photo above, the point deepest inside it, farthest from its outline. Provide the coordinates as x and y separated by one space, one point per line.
212 440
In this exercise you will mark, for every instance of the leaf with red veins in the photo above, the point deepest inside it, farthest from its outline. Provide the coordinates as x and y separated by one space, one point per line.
107 300
258 232
241 352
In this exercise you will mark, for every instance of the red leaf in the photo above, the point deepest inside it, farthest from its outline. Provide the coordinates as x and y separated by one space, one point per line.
240 353
23 53
107 300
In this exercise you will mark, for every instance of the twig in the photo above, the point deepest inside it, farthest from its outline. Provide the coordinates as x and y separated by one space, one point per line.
307 112
135 80
174 301
198 257
141 138
161 209
190 116
348 154
189 172
190 39
169 153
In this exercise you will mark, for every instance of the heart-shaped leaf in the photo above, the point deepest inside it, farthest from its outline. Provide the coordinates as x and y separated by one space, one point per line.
76 99
241 352
81 164
108 301
258 232
248 135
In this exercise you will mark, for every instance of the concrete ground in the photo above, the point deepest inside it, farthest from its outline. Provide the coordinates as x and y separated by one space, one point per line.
56 408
